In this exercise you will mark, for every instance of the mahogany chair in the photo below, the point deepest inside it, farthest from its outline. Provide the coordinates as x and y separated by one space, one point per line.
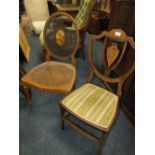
82 19
62 43
93 105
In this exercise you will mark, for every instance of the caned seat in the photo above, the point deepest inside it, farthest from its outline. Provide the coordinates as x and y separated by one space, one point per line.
62 45
51 76
92 104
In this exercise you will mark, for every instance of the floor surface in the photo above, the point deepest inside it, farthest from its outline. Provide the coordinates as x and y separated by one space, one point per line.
40 132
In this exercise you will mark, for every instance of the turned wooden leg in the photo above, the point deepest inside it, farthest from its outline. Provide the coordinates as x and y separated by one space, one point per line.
101 143
62 111
28 94
46 55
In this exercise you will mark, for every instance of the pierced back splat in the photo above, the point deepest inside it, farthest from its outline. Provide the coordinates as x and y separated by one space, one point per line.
114 50
112 54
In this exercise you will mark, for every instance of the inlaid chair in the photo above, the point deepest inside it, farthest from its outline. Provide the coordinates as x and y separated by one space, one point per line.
82 20
95 106
62 43
38 13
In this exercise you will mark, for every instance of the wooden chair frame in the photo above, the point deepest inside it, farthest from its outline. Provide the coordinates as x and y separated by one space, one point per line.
48 53
28 85
65 113
93 71
82 31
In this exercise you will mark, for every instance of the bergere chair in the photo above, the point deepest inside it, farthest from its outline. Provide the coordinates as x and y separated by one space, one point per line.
95 106
82 20
38 13
62 43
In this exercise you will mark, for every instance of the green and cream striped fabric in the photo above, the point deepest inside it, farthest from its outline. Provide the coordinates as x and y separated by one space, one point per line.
93 104
84 12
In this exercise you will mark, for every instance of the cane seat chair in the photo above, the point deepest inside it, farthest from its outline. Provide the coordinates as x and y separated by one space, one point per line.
62 43
38 13
91 104
82 19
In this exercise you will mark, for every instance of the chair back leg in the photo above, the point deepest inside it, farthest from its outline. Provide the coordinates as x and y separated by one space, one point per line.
101 143
62 111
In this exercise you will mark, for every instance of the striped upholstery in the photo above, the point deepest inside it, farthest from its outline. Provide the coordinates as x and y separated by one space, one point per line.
92 104
84 12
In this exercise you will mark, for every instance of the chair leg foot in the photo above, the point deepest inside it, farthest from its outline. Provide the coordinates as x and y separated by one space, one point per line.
62 111
101 143
28 94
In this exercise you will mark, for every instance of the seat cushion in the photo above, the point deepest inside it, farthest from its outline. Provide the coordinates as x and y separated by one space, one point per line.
51 76
38 26
93 105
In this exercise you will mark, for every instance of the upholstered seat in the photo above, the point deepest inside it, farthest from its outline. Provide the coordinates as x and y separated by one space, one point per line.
92 104
51 76
38 13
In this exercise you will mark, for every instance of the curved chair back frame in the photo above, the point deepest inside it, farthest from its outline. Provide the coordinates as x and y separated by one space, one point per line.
72 55
118 35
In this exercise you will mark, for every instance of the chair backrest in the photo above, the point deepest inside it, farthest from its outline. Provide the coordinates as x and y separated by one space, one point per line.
116 47
85 9
61 36
37 10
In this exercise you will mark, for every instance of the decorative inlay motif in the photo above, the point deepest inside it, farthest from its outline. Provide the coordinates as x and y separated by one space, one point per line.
112 54
60 37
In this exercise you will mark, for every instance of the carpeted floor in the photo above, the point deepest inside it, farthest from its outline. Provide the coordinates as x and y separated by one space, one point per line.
40 132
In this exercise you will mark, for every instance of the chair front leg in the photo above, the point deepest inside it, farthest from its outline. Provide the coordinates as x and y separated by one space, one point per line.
46 55
28 93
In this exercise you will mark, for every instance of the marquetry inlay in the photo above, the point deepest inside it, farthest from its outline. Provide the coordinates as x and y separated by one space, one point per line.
112 54
60 37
